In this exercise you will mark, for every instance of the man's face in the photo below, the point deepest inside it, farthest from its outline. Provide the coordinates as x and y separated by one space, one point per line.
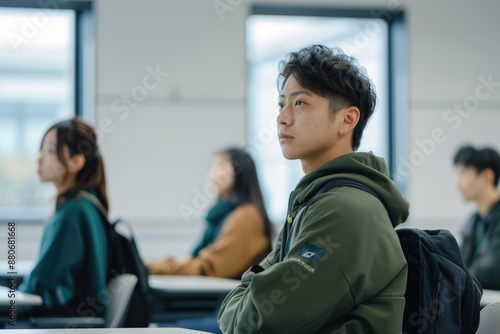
306 130
469 182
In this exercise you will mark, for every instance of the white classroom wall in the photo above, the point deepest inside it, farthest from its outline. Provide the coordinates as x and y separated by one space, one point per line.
157 154
451 45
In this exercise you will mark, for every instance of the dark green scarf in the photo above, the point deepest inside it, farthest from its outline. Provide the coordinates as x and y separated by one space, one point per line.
215 219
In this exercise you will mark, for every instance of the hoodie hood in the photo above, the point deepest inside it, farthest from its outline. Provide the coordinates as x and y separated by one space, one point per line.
365 168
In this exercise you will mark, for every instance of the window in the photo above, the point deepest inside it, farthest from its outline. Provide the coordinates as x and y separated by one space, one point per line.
268 39
38 86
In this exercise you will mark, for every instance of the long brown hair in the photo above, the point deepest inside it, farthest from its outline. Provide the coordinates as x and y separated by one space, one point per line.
246 188
80 138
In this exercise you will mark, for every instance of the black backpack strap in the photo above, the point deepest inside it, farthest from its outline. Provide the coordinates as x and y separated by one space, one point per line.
93 199
471 300
337 183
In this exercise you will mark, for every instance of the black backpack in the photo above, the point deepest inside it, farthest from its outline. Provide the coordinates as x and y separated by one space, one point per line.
124 258
441 295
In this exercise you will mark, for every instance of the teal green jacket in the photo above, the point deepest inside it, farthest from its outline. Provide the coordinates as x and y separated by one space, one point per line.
70 272
344 271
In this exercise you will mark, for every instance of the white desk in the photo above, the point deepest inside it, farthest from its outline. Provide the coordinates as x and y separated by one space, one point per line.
490 296
192 284
103 331
179 297
22 299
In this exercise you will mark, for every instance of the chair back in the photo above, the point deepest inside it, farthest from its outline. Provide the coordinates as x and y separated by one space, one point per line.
120 289
490 319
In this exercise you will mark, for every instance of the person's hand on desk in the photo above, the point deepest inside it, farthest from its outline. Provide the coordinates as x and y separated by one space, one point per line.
171 266
162 268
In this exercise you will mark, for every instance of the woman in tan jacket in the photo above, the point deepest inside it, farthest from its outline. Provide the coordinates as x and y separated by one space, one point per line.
238 230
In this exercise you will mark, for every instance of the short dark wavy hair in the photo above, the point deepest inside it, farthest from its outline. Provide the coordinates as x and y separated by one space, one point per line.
330 73
480 159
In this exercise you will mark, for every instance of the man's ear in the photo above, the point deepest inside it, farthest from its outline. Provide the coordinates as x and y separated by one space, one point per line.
76 163
350 118
489 176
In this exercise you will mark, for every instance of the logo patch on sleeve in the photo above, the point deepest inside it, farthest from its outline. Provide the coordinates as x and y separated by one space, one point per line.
311 252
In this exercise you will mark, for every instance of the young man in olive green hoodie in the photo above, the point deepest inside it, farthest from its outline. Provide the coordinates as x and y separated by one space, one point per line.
338 266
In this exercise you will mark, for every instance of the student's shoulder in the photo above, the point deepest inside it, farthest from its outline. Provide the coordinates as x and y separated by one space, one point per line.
246 210
495 213
345 199
245 213
76 208
495 221
345 209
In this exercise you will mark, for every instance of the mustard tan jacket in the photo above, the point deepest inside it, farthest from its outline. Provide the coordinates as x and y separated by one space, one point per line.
242 242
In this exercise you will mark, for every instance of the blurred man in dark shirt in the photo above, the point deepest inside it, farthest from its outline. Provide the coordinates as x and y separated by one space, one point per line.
478 171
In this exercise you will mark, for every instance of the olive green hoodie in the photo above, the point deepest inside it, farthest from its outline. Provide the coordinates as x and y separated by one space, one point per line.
343 270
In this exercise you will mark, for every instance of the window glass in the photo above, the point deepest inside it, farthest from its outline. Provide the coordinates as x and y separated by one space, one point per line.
268 39
37 85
